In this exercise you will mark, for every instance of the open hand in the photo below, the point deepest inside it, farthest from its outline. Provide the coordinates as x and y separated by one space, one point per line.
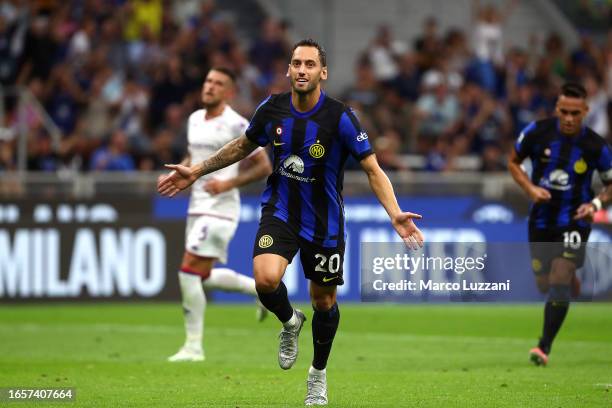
585 212
539 194
406 228
181 178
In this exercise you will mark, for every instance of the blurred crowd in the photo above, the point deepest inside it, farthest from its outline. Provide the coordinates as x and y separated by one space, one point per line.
119 78
461 93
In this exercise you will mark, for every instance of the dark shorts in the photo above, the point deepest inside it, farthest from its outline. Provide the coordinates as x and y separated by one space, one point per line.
321 265
547 244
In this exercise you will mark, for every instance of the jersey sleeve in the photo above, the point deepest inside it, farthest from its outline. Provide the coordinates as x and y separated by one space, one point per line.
353 136
256 131
524 143
604 164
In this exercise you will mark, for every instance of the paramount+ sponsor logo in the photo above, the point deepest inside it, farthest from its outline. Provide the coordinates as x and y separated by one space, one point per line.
292 167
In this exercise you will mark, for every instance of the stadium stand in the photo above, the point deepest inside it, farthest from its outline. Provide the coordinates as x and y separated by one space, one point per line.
434 96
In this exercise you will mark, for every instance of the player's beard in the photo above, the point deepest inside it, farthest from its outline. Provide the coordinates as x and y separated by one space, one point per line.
312 85
211 104
570 130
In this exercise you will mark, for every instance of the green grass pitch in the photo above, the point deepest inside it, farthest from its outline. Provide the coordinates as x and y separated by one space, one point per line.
383 356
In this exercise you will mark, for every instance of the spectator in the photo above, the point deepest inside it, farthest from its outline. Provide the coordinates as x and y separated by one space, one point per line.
131 115
383 54
428 45
407 80
493 158
143 15
138 66
597 100
365 90
40 51
43 158
114 156
437 112
268 48
526 105
555 50
483 122
488 35
387 147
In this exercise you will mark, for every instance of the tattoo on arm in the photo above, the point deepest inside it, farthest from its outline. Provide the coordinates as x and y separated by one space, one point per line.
232 152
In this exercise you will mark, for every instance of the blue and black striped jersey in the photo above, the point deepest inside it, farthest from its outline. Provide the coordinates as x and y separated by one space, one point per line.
309 153
563 165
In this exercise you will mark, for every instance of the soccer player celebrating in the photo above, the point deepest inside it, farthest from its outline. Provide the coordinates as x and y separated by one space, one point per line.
564 154
213 209
312 135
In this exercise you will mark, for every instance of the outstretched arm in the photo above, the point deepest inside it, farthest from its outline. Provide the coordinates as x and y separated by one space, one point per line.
185 176
258 167
381 186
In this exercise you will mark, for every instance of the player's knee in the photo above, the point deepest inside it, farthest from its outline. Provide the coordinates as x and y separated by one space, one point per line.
323 303
265 284
197 265
562 271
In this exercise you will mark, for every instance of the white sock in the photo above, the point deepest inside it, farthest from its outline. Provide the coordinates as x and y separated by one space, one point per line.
194 303
314 371
231 281
292 322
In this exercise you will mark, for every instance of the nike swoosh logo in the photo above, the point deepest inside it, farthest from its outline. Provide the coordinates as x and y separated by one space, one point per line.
329 279
278 143
569 255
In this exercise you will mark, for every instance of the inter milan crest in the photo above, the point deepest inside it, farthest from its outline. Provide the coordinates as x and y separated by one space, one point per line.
265 241
317 150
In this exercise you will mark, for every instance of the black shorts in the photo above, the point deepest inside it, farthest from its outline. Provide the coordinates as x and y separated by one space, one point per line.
547 244
321 265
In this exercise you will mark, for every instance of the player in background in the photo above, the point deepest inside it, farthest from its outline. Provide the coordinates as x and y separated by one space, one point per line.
564 154
302 208
214 208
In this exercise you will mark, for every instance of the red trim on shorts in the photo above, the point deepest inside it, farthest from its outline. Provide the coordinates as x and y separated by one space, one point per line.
190 271
222 217
201 256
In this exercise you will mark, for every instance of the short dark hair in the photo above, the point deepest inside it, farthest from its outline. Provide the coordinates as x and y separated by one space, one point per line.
573 90
309 42
227 71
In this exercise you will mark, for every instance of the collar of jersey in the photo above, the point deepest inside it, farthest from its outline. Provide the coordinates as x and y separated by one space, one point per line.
216 117
314 110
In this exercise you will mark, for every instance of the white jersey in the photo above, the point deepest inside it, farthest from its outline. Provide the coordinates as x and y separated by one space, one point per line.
205 137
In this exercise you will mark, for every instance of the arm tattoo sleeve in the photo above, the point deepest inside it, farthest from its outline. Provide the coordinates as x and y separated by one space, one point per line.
232 152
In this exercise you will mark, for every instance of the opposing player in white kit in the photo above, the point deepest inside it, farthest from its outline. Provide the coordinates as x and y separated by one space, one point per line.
214 209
